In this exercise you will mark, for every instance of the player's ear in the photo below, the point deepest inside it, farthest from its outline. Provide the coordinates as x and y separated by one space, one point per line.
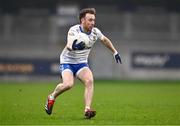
82 20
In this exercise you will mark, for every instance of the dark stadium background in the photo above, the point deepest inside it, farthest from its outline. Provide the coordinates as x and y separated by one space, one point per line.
146 33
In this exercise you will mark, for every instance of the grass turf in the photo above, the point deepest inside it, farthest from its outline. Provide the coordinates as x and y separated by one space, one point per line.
116 102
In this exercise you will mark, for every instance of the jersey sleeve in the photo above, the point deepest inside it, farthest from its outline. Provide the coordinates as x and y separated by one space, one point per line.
99 34
72 35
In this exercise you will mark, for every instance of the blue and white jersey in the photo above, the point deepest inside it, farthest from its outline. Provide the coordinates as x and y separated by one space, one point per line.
78 56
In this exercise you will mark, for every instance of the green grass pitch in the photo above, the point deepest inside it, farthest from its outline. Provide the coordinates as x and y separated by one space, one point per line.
116 102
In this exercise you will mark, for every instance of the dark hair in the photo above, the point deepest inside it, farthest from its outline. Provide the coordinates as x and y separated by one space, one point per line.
84 11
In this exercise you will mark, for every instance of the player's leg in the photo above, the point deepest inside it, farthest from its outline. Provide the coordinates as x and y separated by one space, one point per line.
68 81
86 76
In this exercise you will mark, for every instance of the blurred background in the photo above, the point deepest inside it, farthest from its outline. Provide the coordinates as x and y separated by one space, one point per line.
145 33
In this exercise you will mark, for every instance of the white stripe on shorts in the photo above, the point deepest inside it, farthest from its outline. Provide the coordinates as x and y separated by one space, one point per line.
81 70
66 70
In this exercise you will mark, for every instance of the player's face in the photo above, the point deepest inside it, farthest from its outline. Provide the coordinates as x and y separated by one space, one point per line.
88 21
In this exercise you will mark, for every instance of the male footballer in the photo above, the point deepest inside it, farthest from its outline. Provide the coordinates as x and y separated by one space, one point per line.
74 60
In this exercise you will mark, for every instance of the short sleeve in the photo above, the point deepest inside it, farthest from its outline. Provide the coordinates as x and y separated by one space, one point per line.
72 33
99 33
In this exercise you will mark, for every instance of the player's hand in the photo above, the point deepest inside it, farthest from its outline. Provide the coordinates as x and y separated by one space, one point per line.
79 46
117 58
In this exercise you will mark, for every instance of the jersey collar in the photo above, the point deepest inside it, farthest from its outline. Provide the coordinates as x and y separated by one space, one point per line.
81 29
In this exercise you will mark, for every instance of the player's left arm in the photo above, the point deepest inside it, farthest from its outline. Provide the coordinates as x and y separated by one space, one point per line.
107 42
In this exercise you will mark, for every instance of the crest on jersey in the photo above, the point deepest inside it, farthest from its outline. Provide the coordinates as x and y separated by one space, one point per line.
93 38
71 33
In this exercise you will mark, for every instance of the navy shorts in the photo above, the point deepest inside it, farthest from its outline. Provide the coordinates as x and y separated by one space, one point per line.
74 68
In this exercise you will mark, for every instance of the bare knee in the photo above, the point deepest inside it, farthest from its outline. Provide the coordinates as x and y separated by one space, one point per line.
89 82
61 87
68 85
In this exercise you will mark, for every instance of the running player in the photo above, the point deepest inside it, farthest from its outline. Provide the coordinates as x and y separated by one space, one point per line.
74 60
